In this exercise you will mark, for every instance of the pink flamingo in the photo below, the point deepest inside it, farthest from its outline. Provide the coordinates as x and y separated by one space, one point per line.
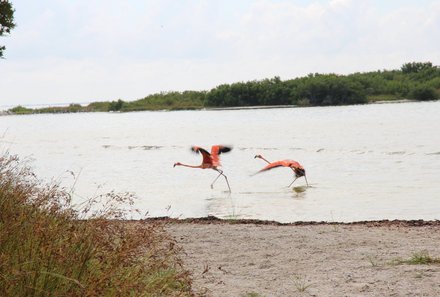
210 160
295 166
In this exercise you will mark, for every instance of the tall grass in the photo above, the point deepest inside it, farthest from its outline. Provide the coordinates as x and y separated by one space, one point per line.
48 249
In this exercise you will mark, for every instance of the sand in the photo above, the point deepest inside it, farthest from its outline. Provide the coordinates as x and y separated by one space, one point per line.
239 258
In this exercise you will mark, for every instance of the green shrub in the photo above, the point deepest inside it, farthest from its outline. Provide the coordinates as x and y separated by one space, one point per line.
423 92
74 108
21 110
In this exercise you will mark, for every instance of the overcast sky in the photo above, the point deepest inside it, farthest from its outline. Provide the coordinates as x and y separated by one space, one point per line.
65 51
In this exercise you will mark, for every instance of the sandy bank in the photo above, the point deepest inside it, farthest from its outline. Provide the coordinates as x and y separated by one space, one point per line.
308 259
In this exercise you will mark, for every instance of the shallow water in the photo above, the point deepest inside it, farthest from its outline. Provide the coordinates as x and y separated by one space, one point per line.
363 162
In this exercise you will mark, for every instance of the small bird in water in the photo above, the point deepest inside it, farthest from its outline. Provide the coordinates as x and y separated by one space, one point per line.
295 166
210 160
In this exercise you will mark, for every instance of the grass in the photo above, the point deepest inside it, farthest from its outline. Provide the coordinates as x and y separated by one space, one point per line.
301 284
418 258
251 294
373 261
335 225
49 249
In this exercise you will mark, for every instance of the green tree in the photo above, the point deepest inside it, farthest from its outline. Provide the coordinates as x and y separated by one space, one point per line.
423 92
116 105
6 20
74 108
415 67
330 89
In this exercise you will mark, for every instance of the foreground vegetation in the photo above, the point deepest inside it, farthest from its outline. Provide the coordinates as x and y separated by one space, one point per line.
417 258
417 80
48 249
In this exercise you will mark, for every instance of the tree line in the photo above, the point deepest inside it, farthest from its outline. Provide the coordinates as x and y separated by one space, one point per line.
415 80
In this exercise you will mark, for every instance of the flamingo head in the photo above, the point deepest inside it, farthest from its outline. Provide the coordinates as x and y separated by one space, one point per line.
258 156
300 172
177 164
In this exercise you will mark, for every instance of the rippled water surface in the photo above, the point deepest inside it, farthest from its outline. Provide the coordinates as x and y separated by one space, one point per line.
364 162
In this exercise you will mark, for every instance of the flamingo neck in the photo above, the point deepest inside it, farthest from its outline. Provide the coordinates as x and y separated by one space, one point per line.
190 166
262 158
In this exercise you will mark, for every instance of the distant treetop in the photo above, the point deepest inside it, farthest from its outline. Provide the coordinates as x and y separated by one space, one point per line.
415 67
6 20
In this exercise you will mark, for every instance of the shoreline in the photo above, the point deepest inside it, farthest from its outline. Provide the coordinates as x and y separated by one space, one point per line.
215 220
254 107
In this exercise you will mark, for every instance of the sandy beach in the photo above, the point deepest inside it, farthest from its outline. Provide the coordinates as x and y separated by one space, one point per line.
238 258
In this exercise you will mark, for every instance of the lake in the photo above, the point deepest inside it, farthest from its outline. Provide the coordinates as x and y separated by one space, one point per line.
363 162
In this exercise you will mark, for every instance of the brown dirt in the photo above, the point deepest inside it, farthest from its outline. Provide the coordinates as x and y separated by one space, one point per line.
236 258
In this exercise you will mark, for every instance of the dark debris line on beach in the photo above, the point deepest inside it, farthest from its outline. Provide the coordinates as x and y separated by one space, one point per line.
216 220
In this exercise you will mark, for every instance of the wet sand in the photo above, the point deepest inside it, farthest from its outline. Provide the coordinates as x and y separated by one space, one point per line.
236 258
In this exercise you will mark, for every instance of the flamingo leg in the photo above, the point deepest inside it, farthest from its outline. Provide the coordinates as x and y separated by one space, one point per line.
212 184
226 178
227 182
292 182
297 177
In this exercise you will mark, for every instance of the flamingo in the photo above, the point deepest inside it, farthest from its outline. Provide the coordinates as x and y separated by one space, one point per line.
210 160
295 166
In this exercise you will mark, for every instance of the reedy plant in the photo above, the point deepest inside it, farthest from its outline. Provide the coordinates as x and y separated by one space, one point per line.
48 248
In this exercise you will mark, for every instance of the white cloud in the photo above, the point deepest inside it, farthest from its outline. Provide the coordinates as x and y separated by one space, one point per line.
66 51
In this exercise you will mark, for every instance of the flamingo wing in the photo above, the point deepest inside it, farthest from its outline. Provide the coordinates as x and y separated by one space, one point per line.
294 164
216 150
275 165
206 156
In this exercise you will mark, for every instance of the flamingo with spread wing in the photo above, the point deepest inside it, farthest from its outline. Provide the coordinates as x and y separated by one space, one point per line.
210 160
295 166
